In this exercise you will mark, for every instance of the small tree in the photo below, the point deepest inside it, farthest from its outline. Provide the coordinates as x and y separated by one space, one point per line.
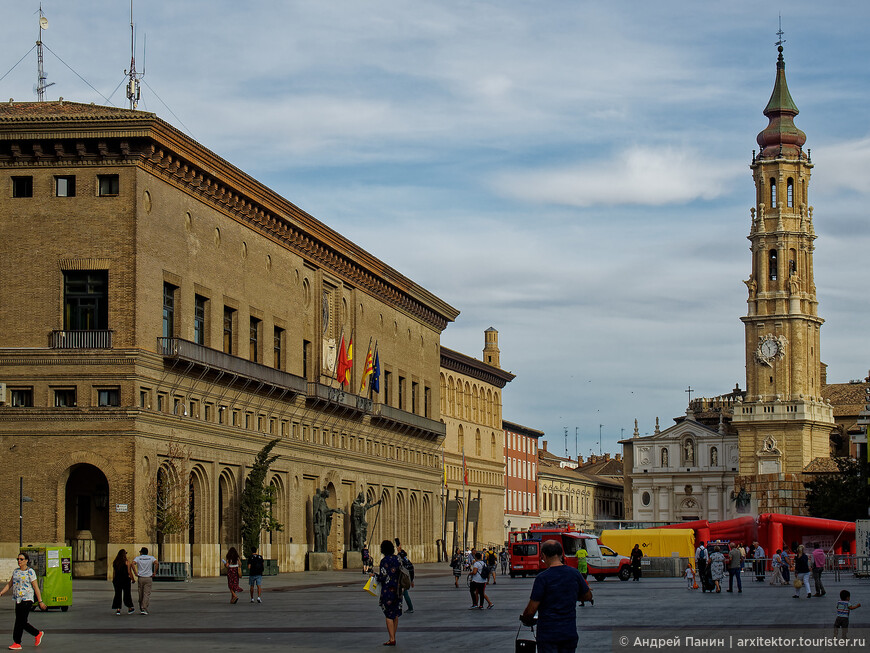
257 498
168 508
844 495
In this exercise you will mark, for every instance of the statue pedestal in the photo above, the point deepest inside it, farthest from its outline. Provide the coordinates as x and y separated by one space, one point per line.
352 560
319 561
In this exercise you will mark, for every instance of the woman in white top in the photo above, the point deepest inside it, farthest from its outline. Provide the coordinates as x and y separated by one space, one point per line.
24 588
232 563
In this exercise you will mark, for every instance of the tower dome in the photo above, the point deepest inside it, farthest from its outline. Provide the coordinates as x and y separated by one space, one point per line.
781 137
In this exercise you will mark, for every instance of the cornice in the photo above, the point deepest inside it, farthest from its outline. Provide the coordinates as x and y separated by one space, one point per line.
463 364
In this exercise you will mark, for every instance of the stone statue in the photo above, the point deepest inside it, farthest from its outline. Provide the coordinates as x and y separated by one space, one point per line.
359 525
752 286
742 499
714 457
690 452
322 518
664 457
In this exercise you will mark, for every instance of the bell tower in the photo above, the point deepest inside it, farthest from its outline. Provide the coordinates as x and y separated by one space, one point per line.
783 423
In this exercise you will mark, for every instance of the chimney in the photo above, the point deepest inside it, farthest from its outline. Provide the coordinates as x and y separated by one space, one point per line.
545 445
618 457
580 459
607 456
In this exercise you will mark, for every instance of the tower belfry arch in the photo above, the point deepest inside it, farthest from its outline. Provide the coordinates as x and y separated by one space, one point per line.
782 327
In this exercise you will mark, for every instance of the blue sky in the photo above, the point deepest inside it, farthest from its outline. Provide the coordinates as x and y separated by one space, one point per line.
574 174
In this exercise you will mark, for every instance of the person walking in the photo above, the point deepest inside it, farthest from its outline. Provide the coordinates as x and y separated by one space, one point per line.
758 562
407 564
456 565
145 567
776 565
492 563
554 598
503 559
735 564
701 558
24 590
717 567
801 572
819 559
256 567
786 566
233 564
583 566
478 583
843 608
123 576
636 555
390 599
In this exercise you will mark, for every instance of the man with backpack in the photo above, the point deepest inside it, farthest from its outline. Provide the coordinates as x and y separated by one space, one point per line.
701 558
491 562
255 574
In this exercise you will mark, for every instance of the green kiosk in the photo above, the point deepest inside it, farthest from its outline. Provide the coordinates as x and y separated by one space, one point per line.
53 567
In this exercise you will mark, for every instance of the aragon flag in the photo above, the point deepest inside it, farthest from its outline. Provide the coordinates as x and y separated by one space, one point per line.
368 368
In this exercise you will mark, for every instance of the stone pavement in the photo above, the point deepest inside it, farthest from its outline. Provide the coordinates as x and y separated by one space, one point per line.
329 611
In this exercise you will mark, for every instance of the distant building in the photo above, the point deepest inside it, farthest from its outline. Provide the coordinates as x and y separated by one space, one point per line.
521 476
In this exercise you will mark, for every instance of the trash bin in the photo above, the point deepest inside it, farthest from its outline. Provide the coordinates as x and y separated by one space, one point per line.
53 567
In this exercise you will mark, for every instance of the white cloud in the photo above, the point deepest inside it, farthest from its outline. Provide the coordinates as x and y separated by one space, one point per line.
639 175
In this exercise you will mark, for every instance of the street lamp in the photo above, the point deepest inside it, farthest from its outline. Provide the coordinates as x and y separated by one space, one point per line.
21 501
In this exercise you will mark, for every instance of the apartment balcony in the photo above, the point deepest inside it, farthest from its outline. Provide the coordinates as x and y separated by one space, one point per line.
337 401
403 421
95 339
183 351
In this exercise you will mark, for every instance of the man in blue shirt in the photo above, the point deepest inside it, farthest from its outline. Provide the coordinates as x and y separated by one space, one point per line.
554 597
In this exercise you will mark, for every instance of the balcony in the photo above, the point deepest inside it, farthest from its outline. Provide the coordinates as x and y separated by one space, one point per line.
338 401
96 339
400 420
176 349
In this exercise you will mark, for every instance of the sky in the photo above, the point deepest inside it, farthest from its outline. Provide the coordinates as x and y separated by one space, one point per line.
572 173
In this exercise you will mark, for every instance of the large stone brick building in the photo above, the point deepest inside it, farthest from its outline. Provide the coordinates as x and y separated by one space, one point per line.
166 315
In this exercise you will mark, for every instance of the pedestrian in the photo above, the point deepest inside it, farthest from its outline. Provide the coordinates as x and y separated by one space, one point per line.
758 562
407 564
390 599
735 565
701 558
145 567
554 598
122 578
456 565
492 563
843 609
582 564
478 583
636 555
717 567
690 577
743 554
256 567
786 566
801 572
503 559
233 565
366 560
776 565
818 568
24 589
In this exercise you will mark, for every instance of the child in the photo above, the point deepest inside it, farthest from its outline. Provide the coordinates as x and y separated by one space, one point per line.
843 607
690 578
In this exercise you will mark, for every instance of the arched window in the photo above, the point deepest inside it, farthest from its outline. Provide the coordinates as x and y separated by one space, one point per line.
792 262
477 443
461 441
772 193
771 265
789 200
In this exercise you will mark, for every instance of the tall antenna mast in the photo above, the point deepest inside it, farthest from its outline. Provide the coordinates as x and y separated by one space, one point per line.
41 78
133 90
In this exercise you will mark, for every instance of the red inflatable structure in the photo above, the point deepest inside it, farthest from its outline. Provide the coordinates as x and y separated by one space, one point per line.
774 531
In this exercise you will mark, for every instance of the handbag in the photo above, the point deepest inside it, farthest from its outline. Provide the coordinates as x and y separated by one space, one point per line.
371 586
798 583
525 645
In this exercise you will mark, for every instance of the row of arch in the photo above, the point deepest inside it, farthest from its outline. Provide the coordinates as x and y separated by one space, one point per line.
492 451
469 401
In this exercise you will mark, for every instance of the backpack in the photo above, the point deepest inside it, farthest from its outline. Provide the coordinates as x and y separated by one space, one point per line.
484 572
255 565
404 578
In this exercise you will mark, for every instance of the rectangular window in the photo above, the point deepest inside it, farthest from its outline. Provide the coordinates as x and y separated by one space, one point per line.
306 358
208 410
277 348
143 399
388 382
65 186
414 386
427 401
21 397
222 415
109 397
199 308
161 402
22 186
65 397
85 298
254 340
229 321
401 404
108 185
169 310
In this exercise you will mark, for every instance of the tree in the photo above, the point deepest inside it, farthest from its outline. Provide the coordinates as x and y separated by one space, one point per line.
257 499
842 495
168 508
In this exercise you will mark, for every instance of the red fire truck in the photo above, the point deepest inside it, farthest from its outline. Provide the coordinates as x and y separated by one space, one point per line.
524 549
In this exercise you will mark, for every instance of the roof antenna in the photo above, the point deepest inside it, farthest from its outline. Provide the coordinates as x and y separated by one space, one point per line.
133 91
41 78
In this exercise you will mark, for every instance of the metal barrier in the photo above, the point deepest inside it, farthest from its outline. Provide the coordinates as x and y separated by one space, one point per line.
177 571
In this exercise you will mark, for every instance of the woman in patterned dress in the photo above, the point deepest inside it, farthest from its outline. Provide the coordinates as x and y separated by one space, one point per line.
24 589
233 564
391 596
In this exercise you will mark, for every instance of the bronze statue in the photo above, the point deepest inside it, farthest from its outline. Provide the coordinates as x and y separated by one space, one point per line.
359 525
742 500
322 518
